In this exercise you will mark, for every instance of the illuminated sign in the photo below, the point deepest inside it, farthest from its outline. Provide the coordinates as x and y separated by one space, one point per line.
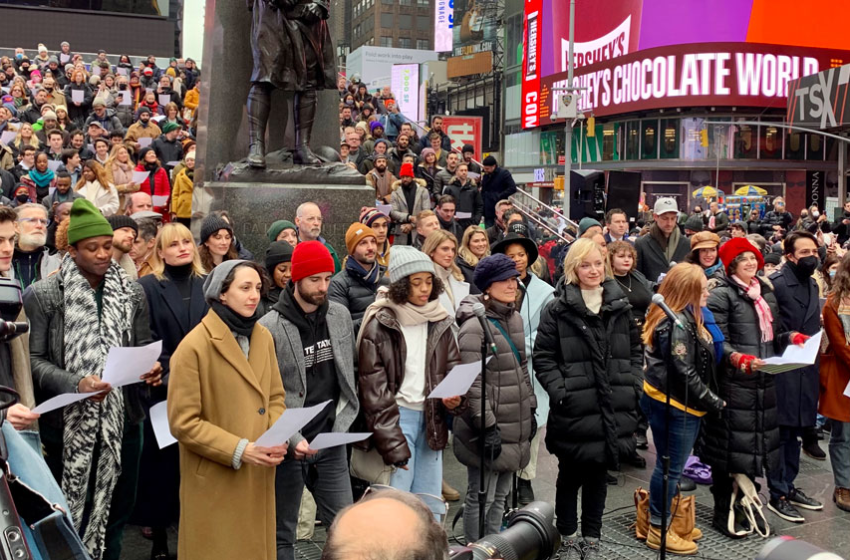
443 25
405 88
463 130
820 101
531 66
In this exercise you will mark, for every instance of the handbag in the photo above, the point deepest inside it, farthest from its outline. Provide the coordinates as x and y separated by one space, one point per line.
752 505
370 466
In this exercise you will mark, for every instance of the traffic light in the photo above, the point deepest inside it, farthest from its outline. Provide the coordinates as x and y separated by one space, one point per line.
703 138
591 127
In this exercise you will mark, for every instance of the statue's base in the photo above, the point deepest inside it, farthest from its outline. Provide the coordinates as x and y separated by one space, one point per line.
255 205
280 169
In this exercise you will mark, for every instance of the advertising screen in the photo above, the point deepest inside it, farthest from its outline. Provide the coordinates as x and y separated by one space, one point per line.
443 24
606 30
405 87
476 24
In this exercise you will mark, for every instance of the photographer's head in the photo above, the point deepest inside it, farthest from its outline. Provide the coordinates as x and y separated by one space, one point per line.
408 530
8 218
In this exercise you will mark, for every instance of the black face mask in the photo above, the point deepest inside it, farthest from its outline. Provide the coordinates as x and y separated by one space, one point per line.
122 86
808 265
23 198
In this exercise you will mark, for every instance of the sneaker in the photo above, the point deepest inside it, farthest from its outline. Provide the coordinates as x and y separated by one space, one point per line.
590 550
813 450
525 493
785 510
570 549
799 499
641 441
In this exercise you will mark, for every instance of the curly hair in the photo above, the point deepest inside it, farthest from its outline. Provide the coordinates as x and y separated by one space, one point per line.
400 290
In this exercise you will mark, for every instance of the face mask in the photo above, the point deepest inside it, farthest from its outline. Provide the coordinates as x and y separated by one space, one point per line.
19 56
808 265
832 273
815 214
122 86
22 198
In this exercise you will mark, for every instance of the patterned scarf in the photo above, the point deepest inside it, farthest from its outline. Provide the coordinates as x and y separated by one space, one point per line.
370 277
762 309
91 427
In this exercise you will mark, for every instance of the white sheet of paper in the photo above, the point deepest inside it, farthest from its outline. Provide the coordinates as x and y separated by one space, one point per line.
53 165
123 71
160 200
159 422
847 390
384 209
292 420
794 354
60 401
463 215
78 95
334 439
459 289
125 365
148 90
172 163
158 118
8 137
164 99
64 58
140 176
473 176
50 191
457 382
145 142
90 147
126 98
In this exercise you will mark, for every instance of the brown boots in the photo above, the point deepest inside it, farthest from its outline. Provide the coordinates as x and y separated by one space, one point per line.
841 497
682 533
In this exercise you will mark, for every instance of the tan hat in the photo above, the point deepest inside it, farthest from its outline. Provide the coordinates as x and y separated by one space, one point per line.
704 240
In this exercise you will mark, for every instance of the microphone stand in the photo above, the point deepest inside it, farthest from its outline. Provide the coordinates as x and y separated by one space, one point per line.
665 459
482 492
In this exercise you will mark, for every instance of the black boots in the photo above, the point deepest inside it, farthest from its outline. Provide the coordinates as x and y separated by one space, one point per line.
305 114
259 104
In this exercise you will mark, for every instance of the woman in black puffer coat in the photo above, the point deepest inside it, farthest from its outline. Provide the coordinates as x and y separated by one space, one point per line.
744 438
587 356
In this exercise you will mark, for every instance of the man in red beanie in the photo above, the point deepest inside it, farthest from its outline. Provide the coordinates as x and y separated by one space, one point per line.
314 341
409 197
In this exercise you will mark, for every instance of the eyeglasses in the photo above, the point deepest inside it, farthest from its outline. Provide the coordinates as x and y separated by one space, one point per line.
36 221
438 506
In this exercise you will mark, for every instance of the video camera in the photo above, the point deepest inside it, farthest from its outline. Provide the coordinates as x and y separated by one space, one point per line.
10 308
530 534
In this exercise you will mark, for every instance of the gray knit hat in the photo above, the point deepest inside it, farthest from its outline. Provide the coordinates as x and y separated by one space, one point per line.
405 261
216 278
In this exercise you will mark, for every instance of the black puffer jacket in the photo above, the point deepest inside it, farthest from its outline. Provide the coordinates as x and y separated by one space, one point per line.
744 438
349 289
590 365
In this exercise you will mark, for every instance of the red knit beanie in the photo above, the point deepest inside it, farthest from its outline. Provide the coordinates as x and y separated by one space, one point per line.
736 246
406 170
310 258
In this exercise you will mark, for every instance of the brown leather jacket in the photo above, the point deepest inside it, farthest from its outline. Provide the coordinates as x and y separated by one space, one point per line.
380 367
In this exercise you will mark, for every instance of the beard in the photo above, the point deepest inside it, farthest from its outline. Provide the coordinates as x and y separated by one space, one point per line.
35 239
313 298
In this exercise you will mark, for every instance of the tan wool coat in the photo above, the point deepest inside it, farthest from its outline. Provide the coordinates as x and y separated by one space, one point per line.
216 397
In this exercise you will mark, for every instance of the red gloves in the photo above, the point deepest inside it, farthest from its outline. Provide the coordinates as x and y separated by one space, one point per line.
799 338
743 362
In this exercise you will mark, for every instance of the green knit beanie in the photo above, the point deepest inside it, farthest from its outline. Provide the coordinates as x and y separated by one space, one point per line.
86 222
279 226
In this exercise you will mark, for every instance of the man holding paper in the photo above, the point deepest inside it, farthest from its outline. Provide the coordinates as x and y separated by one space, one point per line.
314 340
93 446
143 128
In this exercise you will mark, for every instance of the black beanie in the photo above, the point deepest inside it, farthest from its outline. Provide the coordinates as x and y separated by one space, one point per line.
212 224
772 258
490 160
278 252
118 221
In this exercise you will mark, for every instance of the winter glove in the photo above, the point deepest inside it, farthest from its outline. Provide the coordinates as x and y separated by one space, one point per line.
743 362
533 425
799 339
492 443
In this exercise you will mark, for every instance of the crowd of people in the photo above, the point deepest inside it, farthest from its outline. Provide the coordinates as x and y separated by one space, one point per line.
583 361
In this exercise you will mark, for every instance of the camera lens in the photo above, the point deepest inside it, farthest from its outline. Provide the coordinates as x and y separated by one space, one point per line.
530 535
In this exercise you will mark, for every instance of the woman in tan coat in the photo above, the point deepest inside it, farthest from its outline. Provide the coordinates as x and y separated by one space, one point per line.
224 392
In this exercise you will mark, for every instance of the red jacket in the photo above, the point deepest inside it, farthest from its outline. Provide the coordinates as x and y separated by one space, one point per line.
834 367
157 185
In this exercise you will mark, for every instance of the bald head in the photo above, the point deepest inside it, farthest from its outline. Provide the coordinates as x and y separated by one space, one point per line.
308 220
139 202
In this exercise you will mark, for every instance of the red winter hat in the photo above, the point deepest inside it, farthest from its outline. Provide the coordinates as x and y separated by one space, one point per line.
310 258
406 170
736 246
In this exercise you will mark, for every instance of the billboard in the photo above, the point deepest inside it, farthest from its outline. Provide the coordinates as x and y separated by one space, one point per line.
820 100
476 27
606 30
443 24
464 129
405 88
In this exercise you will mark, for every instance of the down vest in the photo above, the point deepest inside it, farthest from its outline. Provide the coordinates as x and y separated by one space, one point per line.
744 438
590 365
350 290
510 400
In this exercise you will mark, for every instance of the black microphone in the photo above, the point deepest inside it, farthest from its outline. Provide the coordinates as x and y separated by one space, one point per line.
478 309
658 300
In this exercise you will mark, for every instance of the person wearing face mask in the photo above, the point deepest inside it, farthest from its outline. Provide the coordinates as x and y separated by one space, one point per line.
796 390
777 219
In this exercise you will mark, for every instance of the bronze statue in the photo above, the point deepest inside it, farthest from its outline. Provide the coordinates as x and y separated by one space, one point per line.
292 51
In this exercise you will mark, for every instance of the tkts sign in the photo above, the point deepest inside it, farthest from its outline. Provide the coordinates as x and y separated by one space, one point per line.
706 74
820 101
464 130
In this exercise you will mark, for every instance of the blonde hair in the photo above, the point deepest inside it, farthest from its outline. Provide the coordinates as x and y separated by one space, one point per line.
465 252
434 240
166 236
577 253
681 287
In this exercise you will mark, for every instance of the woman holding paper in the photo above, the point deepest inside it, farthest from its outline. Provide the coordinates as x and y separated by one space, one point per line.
406 348
79 97
226 481
744 438
156 184
441 248
119 172
94 186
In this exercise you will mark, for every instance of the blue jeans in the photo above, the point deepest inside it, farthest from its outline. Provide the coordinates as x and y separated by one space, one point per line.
683 429
326 476
839 453
424 474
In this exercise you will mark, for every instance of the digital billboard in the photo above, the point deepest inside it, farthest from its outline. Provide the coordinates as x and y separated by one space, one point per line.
475 26
405 87
443 24
606 30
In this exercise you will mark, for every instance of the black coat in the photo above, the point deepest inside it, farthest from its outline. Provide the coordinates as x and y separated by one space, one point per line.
351 291
590 365
496 186
744 438
652 262
797 390
467 199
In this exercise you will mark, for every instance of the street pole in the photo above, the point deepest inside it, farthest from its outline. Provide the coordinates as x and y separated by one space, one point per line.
568 148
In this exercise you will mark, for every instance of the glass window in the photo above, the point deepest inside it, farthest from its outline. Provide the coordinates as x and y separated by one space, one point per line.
386 41
649 139
719 141
633 140
405 43
669 139
610 139
795 145
387 1
770 142
513 31
422 44
745 142
423 23
814 147
405 21
387 21
406 2
423 3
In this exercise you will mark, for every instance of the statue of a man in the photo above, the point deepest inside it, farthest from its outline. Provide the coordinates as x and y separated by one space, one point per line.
292 51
